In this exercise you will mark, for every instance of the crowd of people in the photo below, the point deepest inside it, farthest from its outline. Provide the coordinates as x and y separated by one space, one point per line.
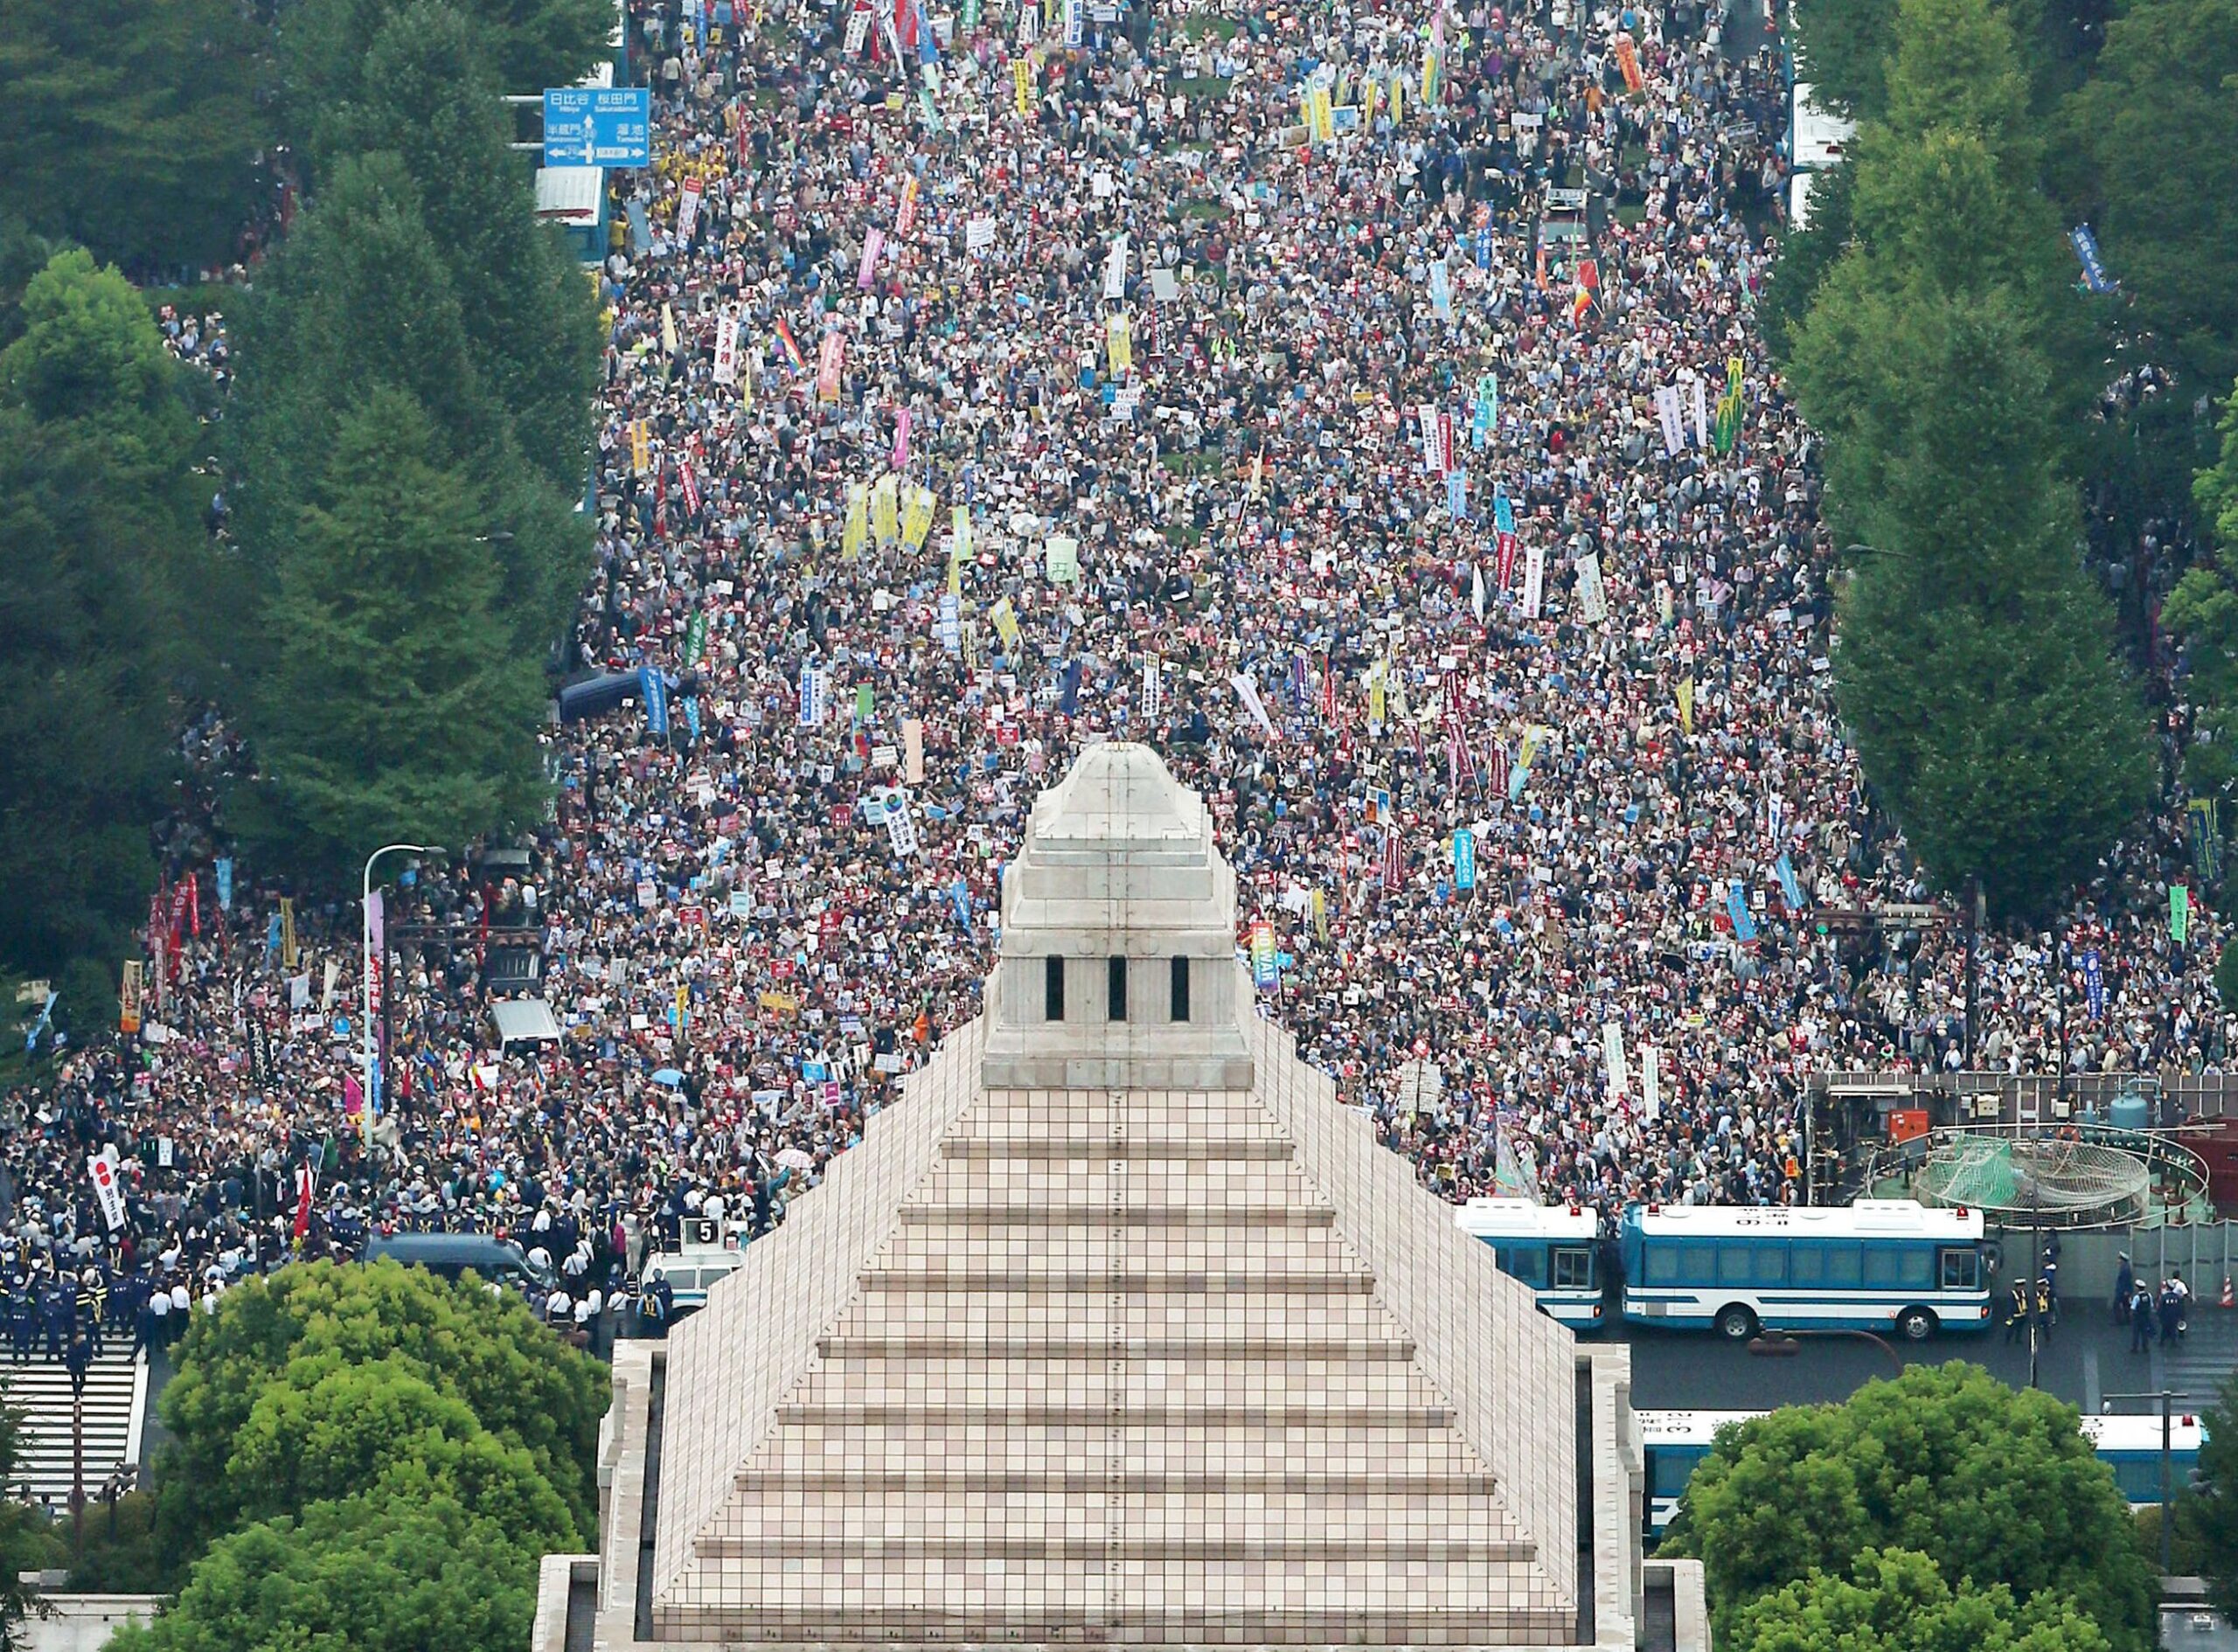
1197 377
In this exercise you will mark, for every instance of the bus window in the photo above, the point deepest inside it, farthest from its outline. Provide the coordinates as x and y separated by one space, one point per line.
1842 1270
1962 1270
1915 1268
1670 1467
1574 1269
1735 1264
1528 1263
1767 1264
1663 1264
1807 1264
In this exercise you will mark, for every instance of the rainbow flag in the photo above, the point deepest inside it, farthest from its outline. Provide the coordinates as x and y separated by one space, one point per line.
791 345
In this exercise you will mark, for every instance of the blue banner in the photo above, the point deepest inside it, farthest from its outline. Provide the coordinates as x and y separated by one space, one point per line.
1456 494
1736 907
1790 892
224 870
692 714
959 893
1068 699
2094 266
652 689
1503 512
1465 860
2094 983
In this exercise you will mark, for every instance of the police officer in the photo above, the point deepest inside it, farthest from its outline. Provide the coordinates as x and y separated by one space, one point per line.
2016 1315
22 1320
2139 1309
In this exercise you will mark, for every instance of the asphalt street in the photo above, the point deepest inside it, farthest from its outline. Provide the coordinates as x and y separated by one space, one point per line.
2082 1360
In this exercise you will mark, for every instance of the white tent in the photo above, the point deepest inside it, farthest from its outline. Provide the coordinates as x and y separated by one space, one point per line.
524 1021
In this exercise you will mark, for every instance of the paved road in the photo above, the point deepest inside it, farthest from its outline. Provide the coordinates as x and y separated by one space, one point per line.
2084 1359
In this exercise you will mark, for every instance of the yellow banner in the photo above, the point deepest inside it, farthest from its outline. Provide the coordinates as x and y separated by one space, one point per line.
1022 81
959 547
287 931
1375 707
884 509
858 520
917 518
1005 618
1686 703
1120 339
641 456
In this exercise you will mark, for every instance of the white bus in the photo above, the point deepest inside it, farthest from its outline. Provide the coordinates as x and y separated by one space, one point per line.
1553 1248
1673 1443
1878 1264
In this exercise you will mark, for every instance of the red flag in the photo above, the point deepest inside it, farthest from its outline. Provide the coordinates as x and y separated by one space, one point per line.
306 1182
193 906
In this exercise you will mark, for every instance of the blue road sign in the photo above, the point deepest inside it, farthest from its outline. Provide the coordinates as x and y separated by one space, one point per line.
598 126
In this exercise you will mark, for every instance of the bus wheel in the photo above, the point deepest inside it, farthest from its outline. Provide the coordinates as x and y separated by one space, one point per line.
1736 1323
1917 1324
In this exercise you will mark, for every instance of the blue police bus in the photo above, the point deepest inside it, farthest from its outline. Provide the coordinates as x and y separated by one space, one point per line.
1878 1264
1554 1249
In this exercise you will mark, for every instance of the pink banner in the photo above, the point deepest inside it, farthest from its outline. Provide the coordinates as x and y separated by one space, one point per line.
900 439
872 244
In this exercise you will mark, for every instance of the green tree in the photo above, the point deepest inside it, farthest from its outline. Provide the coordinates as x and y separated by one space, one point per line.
1897 1602
2031 755
2202 614
397 708
530 44
319 1432
99 532
296 1328
1997 1488
371 1574
26 1543
133 125
1844 47
2151 159
2207 1515
1806 258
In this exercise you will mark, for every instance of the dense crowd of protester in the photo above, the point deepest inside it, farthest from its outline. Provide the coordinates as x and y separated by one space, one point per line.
1139 305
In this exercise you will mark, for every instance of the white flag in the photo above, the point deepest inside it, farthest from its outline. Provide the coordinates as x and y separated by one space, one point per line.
1651 1083
1243 686
1701 412
1612 1046
1115 269
1666 409
1535 580
1153 690
1476 589
900 828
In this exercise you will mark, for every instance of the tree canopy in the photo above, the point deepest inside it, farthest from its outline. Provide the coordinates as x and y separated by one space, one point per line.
259 1410
372 1574
2152 156
133 125
95 432
1996 1489
1897 1601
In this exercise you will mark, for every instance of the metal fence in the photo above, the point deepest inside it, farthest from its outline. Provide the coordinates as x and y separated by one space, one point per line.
1999 1098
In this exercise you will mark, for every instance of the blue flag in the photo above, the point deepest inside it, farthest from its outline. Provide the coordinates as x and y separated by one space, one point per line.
1069 701
1790 892
1465 860
1736 907
652 689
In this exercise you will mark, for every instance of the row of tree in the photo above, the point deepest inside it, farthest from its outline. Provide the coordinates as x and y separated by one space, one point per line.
361 553
369 1456
1972 398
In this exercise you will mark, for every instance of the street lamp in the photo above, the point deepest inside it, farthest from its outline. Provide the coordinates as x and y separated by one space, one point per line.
366 1005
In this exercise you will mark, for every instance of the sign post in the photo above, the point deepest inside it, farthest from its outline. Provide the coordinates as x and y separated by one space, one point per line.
598 126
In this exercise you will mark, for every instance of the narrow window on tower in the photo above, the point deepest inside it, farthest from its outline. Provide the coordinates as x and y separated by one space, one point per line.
1053 989
1115 989
1181 989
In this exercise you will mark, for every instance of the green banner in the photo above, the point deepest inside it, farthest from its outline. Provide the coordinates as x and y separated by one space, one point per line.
2179 914
695 637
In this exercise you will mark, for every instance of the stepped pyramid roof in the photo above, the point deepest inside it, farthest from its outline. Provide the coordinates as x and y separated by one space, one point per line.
1118 1362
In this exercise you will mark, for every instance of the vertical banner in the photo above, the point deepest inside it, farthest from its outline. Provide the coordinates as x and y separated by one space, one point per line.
812 696
1612 1052
1737 908
899 459
867 277
1022 89
1153 689
727 351
830 356
1666 410
652 690
1114 270
2094 983
1465 860
2179 914
1262 954
1248 692
106 1190
687 211
1686 703
1651 1082
127 999
1790 891
913 751
1700 390
287 933
905 218
1441 291
1592 600
1534 580
1486 412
